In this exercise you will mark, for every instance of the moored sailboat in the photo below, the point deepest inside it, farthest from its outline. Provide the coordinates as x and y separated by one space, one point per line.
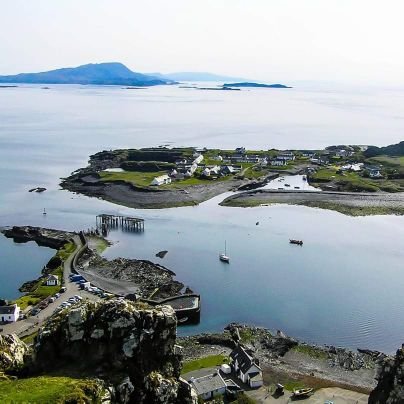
224 257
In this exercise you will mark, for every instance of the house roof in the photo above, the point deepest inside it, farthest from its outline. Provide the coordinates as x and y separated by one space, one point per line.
245 361
255 376
52 277
8 309
207 384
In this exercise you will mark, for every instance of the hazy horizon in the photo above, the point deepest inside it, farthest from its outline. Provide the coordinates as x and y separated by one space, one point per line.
272 41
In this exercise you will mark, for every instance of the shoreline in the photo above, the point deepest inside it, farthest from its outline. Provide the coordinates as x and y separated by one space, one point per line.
348 203
289 361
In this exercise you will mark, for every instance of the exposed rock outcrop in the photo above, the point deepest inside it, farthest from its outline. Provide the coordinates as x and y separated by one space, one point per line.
43 237
390 377
129 345
13 353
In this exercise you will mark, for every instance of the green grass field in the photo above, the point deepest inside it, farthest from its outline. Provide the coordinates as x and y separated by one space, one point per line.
140 179
387 161
207 362
50 390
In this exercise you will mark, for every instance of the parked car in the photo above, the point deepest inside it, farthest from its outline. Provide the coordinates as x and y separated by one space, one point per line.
52 299
57 295
34 312
62 289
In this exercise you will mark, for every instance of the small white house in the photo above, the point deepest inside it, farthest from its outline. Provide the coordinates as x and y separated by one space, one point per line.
288 156
278 162
161 180
198 159
52 280
246 367
9 314
209 386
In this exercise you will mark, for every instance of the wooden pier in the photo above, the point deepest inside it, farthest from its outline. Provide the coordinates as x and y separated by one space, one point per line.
127 223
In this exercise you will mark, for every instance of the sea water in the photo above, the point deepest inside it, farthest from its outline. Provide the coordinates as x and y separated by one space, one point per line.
342 287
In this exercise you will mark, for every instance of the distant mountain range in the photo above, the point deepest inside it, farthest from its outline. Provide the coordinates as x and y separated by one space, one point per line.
100 73
195 76
119 74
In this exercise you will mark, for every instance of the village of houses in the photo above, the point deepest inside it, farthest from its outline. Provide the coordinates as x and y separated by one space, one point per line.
237 162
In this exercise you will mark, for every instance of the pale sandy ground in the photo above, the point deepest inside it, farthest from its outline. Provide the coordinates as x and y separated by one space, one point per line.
334 394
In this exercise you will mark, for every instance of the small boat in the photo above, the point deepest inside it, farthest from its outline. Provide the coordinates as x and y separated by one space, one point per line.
44 211
304 178
287 185
257 223
298 242
302 392
224 257
297 187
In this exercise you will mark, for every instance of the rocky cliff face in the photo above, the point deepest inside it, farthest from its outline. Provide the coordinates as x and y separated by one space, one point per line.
13 353
390 386
130 346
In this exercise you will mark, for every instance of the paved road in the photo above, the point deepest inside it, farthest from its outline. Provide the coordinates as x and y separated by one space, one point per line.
31 324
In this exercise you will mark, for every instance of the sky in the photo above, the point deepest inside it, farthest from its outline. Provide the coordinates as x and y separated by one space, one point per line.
269 40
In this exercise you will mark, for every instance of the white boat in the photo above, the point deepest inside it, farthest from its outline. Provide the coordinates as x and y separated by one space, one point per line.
224 257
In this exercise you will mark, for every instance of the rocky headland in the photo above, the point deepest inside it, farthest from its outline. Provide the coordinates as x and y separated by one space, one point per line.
130 276
128 350
51 238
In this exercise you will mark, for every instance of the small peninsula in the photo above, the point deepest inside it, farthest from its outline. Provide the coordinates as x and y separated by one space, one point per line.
254 85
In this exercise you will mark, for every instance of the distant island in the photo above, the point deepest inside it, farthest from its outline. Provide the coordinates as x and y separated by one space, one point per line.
99 73
248 84
196 76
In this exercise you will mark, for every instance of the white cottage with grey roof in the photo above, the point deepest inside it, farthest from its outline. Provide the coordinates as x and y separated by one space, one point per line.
9 314
246 367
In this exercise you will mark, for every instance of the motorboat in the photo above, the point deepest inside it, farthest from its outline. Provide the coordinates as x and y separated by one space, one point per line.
298 242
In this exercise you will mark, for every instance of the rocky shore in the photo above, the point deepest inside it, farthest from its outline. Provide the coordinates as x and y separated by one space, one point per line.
43 237
285 359
126 194
350 203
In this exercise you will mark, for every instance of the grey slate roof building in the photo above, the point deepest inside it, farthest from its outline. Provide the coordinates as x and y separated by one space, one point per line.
209 386
245 361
